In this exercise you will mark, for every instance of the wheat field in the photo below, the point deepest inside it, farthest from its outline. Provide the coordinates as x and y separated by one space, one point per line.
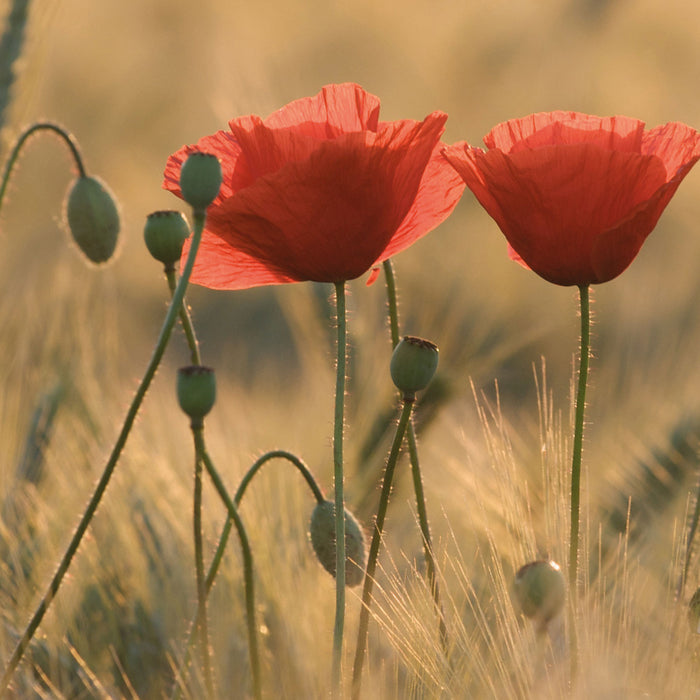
135 80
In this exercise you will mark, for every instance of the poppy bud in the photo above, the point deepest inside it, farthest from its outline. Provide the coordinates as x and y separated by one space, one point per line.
694 612
413 364
196 391
200 179
540 590
93 218
322 531
165 233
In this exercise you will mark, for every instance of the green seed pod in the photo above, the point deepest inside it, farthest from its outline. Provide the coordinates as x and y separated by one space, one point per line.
322 531
93 218
200 179
196 391
540 590
165 233
413 364
694 612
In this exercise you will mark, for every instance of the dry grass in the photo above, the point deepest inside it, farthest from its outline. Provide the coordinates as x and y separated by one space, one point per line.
494 436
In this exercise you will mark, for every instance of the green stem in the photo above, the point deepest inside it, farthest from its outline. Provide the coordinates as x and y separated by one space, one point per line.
247 557
392 302
425 531
392 460
298 463
185 318
578 436
164 336
338 485
201 622
39 126
283 454
247 574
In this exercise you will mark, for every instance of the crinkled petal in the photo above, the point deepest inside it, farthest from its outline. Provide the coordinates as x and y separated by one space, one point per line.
266 150
329 218
676 144
218 265
552 203
562 128
336 109
440 189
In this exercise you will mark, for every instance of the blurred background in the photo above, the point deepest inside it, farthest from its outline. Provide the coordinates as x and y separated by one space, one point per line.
136 79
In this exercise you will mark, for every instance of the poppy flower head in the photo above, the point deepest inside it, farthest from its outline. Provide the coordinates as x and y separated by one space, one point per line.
576 195
320 190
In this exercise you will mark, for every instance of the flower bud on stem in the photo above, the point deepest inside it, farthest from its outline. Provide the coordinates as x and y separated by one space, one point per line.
431 572
103 482
93 218
234 519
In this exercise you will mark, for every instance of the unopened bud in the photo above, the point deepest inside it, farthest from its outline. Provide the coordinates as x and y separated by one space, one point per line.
200 179
413 364
322 531
165 233
93 218
196 391
540 590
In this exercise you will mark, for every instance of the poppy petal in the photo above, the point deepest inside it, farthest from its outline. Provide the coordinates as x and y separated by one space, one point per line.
329 218
562 128
335 110
440 189
552 202
220 266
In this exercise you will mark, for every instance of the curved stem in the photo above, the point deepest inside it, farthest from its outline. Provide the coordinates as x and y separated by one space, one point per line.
14 154
282 454
578 435
247 557
201 622
247 574
392 460
257 465
164 336
338 485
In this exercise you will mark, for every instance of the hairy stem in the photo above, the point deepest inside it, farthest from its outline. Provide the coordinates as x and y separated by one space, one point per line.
338 476
157 355
392 460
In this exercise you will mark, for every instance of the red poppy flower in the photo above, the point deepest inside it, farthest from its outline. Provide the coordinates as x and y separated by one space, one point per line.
320 190
576 195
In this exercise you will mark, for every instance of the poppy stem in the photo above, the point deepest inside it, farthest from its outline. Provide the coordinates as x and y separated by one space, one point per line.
338 486
201 621
578 435
39 126
235 519
247 574
185 319
392 460
392 302
158 351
